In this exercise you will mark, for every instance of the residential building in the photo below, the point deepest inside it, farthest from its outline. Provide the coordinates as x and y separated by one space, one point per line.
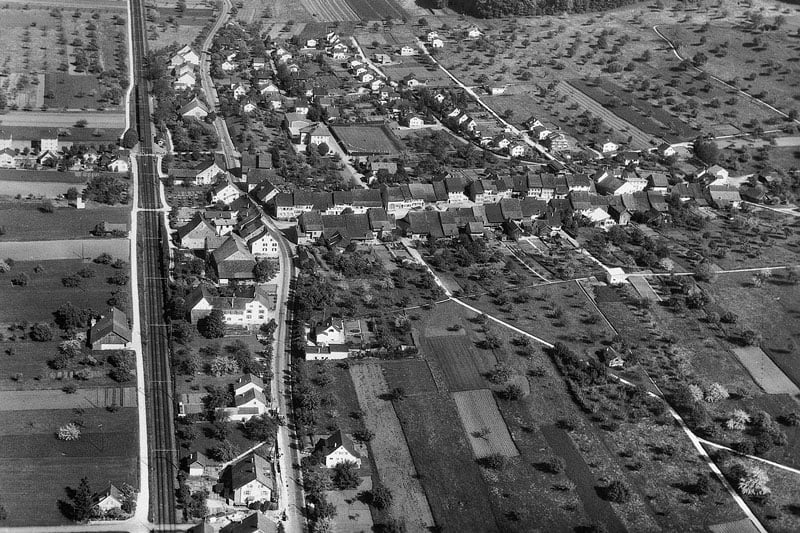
247 481
337 449
110 332
224 192
194 109
250 306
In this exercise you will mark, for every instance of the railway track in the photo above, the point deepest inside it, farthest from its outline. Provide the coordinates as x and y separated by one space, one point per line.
152 255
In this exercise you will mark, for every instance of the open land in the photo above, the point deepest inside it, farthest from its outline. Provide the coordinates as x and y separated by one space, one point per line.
390 451
367 140
26 222
483 424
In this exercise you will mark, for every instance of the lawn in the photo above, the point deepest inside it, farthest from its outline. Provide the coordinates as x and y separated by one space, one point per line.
35 467
72 91
26 222
337 396
456 491
41 176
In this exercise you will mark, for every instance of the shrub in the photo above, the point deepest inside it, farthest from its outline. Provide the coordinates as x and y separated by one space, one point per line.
618 492
21 280
716 393
345 476
753 482
41 333
70 389
69 432
380 497
555 464
500 374
494 461
738 420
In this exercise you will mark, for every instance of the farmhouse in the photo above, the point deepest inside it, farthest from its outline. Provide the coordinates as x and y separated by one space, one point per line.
224 192
258 238
194 109
250 306
109 499
606 147
193 235
337 449
247 481
233 261
413 121
198 464
111 332
407 51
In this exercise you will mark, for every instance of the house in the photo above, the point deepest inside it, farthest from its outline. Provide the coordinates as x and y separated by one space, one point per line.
184 81
437 43
717 172
249 400
319 134
247 481
186 55
194 109
557 142
666 150
206 171
247 383
224 192
411 81
502 141
615 276
259 63
233 260
382 59
249 105
48 140
657 182
258 238
118 165
110 332
270 89
432 35
7 158
197 464
473 32
517 149
239 91
365 77
407 51
109 499
256 522
413 121
250 306
337 449
606 146
496 90
723 196
329 332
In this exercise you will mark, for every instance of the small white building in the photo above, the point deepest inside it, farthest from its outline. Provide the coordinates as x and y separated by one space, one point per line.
338 449
407 51
615 276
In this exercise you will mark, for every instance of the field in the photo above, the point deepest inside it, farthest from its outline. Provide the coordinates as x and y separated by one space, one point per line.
768 376
167 25
486 431
389 449
73 91
41 40
369 10
106 453
365 140
463 364
458 496
26 222
47 291
412 375
329 10
25 400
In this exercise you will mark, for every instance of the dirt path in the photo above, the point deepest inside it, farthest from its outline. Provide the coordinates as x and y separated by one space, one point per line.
390 451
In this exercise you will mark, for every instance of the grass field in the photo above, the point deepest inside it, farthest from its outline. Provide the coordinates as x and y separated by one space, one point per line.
83 398
106 453
70 91
390 452
45 292
768 376
458 496
486 431
26 222
412 375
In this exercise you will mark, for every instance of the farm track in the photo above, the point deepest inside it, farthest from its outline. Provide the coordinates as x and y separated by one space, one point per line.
152 254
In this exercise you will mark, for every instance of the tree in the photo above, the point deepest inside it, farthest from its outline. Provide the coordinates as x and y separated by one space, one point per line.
716 392
41 332
323 149
212 326
130 139
753 482
82 502
345 475
261 428
738 420
380 497
618 492
555 464
707 151
67 316
264 271
21 280
182 332
197 507
69 432
501 374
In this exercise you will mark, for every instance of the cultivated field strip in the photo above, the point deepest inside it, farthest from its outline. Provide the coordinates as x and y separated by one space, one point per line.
765 372
462 363
329 10
389 448
486 430
25 400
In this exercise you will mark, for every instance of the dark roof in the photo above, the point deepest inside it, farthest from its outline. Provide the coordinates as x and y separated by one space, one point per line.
511 209
115 322
256 522
340 439
252 467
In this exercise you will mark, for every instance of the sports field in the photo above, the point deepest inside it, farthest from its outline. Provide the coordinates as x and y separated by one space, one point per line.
367 140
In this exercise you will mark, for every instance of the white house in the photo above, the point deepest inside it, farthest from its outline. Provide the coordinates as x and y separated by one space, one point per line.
194 109
365 77
437 43
254 305
247 481
517 149
197 464
258 238
7 158
407 51
225 192
118 165
413 121
473 32
615 276
109 499
338 448
184 81
186 55
330 332
607 146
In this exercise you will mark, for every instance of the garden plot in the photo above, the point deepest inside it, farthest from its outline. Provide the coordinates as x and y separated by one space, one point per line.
23 400
766 373
486 431
463 364
412 375
389 448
